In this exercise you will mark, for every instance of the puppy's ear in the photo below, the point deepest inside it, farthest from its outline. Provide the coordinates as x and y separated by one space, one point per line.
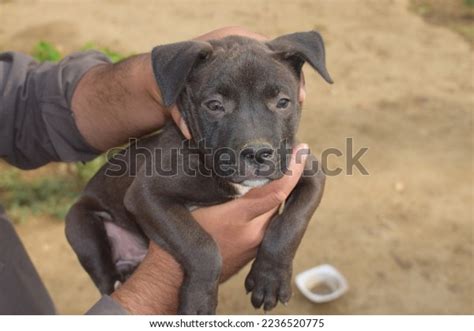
298 48
173 63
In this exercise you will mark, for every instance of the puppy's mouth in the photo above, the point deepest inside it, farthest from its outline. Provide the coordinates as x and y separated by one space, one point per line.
254 180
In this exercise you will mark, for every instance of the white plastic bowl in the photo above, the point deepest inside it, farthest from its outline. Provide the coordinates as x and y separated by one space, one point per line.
324 276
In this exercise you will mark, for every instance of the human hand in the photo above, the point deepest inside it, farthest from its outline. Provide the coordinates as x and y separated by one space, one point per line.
237 227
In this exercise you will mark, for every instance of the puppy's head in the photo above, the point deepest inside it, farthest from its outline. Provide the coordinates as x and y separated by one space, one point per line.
239 98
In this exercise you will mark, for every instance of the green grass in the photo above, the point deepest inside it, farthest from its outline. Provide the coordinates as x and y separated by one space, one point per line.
50 195
48 192
114 56
85 171
46 51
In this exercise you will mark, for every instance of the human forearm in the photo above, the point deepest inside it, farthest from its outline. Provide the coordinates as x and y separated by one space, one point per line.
154 287
114 102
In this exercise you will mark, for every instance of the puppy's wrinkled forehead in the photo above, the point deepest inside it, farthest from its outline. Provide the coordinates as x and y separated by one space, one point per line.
240 64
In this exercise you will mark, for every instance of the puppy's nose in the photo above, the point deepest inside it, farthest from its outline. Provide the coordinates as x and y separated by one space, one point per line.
258 153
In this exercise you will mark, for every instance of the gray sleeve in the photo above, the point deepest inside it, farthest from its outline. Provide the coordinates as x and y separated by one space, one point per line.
21 290
107 306
37 125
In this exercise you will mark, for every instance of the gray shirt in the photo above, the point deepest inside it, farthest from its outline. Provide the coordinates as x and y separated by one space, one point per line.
37 126
36 122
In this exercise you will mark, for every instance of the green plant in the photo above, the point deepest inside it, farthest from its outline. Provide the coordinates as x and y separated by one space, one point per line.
50 192
85 171
46 195
45 51
469 3
114 56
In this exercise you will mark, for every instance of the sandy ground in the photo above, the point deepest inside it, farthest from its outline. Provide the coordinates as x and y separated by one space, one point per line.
403 236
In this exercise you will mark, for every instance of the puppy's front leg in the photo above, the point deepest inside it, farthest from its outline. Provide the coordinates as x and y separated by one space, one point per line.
270 276
173 228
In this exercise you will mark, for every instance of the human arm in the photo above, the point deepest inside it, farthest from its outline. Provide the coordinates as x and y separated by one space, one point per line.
75 109
114 102
37 125
111 103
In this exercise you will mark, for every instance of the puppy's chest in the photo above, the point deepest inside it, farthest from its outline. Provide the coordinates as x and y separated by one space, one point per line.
240 189
233 191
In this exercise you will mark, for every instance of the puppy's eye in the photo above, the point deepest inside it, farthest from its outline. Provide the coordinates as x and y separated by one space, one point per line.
214 105
283 103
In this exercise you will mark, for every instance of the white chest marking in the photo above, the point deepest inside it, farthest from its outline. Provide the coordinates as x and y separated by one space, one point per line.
241 189
247 185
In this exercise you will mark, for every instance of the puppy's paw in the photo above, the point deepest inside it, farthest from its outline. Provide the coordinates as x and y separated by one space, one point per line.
197 302
269 283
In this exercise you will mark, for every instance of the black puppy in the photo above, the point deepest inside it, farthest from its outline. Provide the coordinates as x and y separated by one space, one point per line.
236 95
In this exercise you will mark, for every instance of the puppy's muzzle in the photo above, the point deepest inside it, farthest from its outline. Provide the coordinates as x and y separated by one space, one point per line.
257 154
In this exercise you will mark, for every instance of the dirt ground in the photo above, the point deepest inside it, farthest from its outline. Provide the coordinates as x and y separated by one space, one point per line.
403 235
